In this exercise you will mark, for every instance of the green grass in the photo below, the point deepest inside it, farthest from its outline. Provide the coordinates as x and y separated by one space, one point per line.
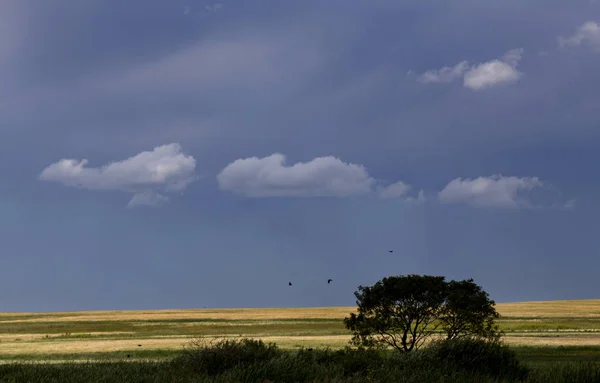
182 327
545 357
136 354
260 327
241 362
545 324
537 357
16 345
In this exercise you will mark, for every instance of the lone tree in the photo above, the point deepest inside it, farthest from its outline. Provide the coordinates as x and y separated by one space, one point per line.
403 311
468 311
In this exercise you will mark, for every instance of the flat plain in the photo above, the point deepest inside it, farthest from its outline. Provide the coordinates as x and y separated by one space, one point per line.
160 334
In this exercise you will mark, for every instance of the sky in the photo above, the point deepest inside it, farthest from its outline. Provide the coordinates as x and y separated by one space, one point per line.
188 154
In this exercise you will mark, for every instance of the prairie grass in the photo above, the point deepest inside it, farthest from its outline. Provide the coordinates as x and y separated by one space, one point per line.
250 361
46 336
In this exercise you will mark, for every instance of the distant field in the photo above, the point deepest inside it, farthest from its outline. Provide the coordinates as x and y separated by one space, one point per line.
105 335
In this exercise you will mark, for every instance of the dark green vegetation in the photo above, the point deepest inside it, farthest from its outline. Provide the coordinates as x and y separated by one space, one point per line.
459 317
402 312
536 357
243 360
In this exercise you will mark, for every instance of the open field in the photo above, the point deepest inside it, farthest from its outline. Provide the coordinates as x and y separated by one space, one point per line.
106 335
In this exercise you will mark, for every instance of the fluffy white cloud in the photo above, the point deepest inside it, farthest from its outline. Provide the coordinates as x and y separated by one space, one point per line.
395 190
494 191
494 72
165 167
480 76
419 199
271 177
588 32
400 190
446 74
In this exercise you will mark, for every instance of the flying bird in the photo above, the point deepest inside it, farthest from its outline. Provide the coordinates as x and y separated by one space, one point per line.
289 283
390 251
329 280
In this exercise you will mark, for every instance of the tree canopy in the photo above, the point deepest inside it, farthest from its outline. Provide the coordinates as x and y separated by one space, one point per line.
403 311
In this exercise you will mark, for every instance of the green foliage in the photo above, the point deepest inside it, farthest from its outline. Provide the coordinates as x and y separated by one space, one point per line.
397 311
212 358
403 311
468 311
457 361
353 362
475 355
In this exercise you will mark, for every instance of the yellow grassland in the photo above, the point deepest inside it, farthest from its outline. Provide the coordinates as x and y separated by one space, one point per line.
13 342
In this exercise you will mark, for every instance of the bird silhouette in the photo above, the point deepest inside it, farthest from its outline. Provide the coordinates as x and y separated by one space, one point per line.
289 283
329 280
390 251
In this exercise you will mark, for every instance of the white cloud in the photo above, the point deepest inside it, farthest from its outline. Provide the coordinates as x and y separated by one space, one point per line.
588 32
395 190
148 198
480 76
321 177
400 189
513 56
494 72
446 74
419 200
165 168
271 177
494 191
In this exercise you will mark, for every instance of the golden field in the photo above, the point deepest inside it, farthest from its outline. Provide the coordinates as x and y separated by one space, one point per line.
163 332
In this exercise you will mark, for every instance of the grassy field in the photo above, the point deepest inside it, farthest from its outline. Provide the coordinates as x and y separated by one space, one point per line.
535 329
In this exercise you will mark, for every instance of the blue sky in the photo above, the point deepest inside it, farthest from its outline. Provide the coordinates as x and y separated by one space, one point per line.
179 154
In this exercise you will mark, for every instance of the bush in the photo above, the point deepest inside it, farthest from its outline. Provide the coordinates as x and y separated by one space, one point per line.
286 368
214 357
358 362
246 360
478 356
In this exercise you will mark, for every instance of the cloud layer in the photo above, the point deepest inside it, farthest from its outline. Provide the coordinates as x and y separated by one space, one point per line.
445 74
480 76
397 189
320 177
331 177
496 191
164 168
588 32
271 177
